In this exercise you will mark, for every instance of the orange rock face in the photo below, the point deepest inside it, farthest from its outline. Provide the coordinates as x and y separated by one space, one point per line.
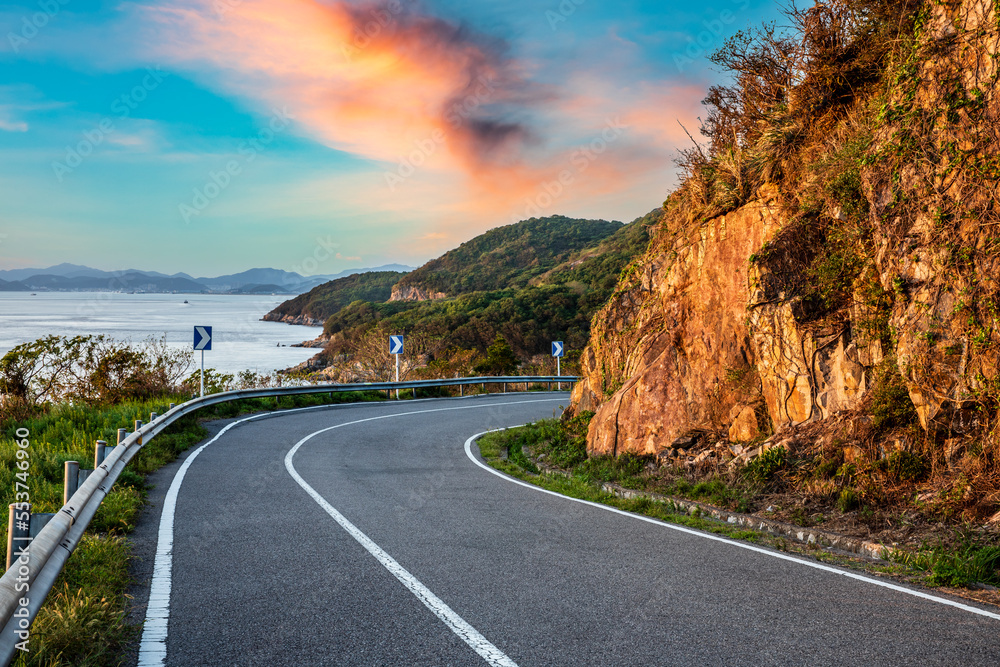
674 337
696 339
745 427
728 323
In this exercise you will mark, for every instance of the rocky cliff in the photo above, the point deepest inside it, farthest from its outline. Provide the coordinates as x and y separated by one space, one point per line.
672 334
315 306
414 293
842 248
301 319
695 342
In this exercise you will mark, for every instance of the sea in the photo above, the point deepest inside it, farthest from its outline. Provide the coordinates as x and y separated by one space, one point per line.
241 341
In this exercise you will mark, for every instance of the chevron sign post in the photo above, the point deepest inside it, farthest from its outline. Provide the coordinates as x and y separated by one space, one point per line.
558 351
395 345
396 348
203 341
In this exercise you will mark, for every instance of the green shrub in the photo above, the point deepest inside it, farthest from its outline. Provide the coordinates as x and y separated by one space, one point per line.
827 468
968 564
905 466
848 500
90 370
500 359
890 405
763 468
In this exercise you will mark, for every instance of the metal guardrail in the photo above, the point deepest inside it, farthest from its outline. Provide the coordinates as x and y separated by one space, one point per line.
30 582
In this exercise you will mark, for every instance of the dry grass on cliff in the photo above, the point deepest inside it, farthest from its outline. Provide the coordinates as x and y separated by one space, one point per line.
879 122
868 125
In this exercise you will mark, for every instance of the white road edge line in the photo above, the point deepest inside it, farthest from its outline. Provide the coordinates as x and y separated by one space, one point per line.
716 538
153 644
489 652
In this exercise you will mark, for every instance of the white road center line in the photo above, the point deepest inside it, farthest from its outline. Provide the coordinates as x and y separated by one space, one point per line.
153 645
716 538
490 653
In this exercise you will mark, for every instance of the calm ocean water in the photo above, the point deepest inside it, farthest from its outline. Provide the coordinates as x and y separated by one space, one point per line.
241 340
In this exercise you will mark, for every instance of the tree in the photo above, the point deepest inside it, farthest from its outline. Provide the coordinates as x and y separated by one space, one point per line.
364 356
500 359
89 369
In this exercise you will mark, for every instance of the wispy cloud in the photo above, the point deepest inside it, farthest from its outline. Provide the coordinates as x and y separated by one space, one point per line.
17 102
8 125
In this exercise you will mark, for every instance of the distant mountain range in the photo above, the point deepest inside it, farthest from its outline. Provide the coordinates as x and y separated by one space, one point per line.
76 278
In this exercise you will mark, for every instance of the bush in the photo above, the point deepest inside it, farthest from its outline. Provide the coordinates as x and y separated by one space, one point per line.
93 370
848 500
763 469
500 359
215 382
890 405
905 466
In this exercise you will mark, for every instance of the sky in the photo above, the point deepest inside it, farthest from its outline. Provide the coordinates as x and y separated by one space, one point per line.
214 136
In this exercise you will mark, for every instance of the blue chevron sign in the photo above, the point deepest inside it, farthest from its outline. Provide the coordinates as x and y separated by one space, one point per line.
203 338
395 345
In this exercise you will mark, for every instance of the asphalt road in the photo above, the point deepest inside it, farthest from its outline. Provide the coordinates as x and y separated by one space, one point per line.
263 573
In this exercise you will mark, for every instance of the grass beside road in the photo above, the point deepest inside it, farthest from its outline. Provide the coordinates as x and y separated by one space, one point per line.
519 452
504 450
83 621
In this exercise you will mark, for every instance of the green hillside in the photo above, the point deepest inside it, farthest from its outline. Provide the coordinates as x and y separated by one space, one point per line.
509 257
322 301
597 270
528 318
549 298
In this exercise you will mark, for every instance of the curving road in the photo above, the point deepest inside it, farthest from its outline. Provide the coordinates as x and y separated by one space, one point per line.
364 535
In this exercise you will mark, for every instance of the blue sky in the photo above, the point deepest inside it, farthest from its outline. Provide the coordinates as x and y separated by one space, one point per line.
212 136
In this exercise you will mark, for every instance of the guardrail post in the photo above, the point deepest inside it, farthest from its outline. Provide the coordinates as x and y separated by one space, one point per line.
18 530
152 417
71 479
138 427
122 434
172 406
100 452
38 522
505 387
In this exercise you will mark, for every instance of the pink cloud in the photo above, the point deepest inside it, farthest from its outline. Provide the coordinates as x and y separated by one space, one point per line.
440 106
